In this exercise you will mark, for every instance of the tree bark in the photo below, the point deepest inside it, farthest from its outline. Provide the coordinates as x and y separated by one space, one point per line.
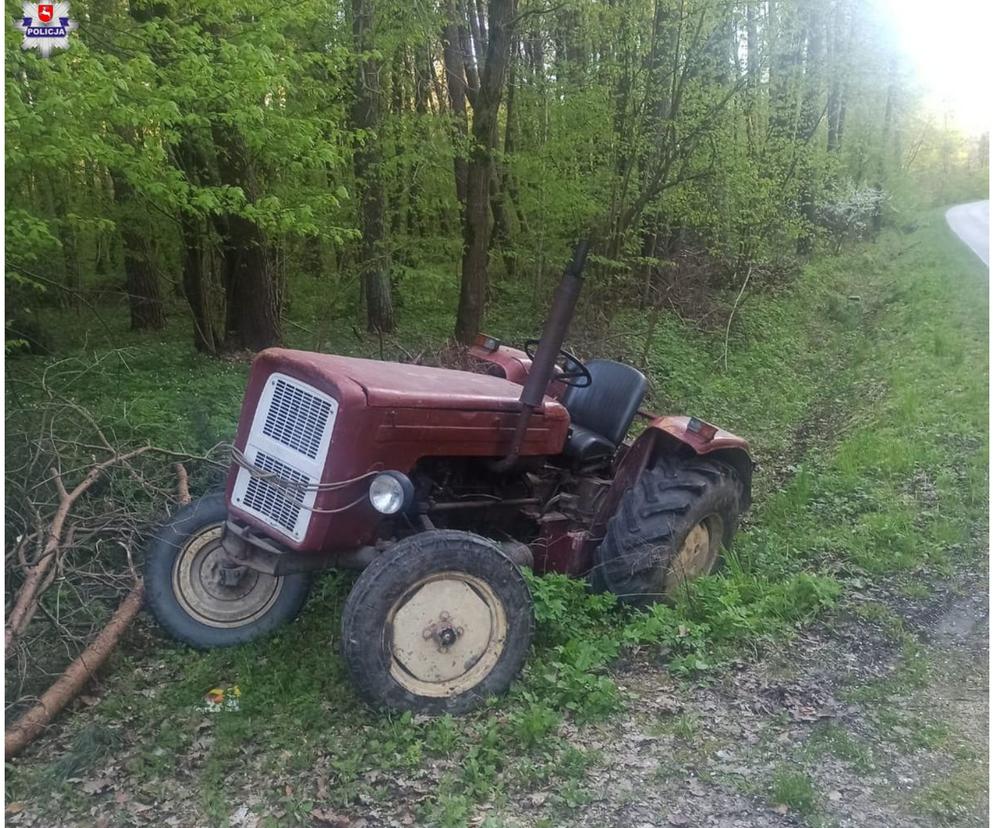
374 261
68 685
254 306
476 225
141 281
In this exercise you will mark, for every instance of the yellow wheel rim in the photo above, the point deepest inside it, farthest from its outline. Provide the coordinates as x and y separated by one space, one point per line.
200 591
697 555
445 634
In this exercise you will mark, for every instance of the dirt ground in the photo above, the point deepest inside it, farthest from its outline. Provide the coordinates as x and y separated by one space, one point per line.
884 715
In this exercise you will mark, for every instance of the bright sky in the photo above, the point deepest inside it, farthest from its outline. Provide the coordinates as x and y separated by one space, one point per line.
949 44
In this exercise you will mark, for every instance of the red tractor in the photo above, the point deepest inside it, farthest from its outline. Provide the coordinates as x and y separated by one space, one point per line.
440 485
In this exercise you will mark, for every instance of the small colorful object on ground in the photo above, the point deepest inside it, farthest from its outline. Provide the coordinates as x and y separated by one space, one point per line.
221 699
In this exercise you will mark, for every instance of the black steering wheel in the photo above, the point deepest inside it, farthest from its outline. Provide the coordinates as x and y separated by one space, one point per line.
572 372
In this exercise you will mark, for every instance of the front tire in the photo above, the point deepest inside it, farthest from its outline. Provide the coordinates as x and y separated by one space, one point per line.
670 528
190 599
436 624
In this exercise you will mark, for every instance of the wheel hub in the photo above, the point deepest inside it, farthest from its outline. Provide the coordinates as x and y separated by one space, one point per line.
446 633
213 591
442 632
230 576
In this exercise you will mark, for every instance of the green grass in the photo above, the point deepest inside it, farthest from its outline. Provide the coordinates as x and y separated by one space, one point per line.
794 789
831 739
868 418
956 799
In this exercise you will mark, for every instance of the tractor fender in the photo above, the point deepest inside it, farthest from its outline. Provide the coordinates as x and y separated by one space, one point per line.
672 433
673 436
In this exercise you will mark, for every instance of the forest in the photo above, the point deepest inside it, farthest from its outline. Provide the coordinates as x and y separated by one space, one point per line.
216 153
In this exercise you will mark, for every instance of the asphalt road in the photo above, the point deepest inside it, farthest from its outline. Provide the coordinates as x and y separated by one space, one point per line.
972 223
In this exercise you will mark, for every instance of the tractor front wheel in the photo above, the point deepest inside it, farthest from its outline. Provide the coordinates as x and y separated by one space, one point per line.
198 597
670 528
436 624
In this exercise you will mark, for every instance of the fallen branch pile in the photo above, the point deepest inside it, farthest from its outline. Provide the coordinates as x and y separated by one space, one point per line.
77 507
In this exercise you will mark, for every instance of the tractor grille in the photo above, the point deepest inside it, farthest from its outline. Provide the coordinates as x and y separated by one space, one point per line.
296 419
276 503
289 439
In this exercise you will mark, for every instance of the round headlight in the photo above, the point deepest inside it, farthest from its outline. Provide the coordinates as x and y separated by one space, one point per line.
390 492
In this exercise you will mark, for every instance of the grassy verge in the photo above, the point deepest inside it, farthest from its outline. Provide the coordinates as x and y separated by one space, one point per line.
864 393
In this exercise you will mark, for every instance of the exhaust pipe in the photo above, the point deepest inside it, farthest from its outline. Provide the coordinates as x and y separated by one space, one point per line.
553 336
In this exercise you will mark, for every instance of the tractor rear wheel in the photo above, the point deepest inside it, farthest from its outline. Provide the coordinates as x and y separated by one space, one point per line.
670 528
436 624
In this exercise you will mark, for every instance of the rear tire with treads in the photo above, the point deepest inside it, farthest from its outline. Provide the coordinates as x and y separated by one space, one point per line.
670 527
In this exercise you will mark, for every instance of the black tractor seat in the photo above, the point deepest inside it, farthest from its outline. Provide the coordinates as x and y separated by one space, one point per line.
602 413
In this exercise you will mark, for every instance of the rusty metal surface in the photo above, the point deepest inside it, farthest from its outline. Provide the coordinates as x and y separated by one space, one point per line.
513 362
676 426
560 546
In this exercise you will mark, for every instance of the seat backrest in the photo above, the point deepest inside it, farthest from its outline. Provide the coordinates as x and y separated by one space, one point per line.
608 405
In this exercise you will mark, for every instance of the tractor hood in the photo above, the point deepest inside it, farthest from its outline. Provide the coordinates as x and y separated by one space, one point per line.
400 385
421 386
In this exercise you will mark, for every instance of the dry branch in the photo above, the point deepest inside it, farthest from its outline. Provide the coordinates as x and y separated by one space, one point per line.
65 688
27 595
728 327
182 484
77 499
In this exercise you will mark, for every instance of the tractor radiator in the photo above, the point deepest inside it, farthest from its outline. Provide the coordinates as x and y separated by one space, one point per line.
289 439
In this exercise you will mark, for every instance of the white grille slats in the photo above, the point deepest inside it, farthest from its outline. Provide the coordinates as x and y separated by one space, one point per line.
280 503
296 419
289 438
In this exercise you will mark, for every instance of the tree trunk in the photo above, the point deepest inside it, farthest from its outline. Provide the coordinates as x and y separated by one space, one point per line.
254 305
811 114
141 281
455 81
476 226
886 135
839 40
467 47
374 261
195 286
197 270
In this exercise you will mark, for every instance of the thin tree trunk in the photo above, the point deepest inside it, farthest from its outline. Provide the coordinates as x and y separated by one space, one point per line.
253 300
810 117
374 261
141 281
195 285
455 81
473 284
885 141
